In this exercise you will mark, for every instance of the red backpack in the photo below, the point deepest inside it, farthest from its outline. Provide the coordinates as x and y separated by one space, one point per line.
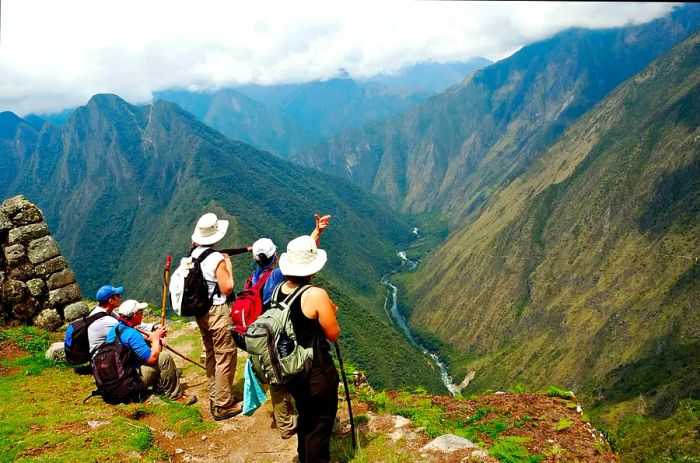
248 304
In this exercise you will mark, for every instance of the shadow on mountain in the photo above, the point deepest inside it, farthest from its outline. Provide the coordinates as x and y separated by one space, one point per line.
664 378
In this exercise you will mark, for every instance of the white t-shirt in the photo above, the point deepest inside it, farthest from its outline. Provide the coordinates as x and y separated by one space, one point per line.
97 331
208 267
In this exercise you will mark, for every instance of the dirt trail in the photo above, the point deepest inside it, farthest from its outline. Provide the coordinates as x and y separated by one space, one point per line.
239 439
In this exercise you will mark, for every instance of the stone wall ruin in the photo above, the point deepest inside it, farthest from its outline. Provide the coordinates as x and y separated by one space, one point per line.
36 285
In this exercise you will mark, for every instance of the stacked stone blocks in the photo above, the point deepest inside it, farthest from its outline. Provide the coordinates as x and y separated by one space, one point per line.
36 285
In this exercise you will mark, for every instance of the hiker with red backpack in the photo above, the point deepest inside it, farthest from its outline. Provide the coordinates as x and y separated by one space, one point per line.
254 300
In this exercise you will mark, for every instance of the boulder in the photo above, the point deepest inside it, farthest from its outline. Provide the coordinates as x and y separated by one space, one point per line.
22 272
27 233
56 352
13 291
51 266
28 215
5 223
48 319
66 295
449 443
42 249
25 310
12 206
36 287
61 279
74 311
15 254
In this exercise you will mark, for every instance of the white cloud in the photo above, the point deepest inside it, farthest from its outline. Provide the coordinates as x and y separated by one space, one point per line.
55 55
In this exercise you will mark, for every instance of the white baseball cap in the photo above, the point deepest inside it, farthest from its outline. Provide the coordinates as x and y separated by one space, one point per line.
264 246
131 307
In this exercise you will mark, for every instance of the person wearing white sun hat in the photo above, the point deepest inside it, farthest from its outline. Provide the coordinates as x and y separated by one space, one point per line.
313 316
265 258
215 325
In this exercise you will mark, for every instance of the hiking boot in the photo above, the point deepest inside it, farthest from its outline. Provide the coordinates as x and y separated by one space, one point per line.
185 399
224 413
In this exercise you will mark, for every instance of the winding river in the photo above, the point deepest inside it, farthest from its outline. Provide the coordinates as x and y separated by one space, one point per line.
396 317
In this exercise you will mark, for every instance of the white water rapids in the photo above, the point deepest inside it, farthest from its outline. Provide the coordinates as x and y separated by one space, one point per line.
396 317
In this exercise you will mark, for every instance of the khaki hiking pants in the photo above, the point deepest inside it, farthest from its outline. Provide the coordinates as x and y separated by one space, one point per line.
215 328
162 377
283 411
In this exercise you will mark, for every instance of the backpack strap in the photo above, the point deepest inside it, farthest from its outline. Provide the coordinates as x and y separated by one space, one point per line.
93 318
262 279
291 297
206 253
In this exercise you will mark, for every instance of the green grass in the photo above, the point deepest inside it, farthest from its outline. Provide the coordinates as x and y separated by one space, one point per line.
638 438
43 417
510 450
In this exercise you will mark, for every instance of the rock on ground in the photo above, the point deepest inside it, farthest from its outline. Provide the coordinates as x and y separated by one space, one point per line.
449 443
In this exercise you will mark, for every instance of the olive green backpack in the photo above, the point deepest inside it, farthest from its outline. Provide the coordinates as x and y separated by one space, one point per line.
272 344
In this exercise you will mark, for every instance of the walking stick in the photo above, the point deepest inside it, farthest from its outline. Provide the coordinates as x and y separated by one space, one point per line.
175 352
166 274
347 396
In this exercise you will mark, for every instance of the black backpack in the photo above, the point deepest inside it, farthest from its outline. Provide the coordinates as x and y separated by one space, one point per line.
189 290
116 378
77 345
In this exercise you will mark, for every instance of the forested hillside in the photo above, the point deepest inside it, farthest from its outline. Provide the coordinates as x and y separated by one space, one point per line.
122 186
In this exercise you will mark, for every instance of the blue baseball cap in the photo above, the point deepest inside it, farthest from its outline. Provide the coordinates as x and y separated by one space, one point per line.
107 291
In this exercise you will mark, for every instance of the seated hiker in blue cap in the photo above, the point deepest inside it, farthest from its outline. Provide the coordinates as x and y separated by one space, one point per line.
156 367
108 298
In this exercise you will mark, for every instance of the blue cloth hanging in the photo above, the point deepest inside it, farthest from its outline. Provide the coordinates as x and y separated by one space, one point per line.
253 394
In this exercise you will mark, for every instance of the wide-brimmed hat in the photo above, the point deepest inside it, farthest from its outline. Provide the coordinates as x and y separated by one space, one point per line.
302 258
130 308
209 229
107 291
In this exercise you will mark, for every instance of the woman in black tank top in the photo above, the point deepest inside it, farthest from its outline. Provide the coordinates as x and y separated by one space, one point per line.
313 316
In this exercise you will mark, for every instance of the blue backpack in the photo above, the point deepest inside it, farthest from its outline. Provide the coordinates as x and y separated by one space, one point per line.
76 344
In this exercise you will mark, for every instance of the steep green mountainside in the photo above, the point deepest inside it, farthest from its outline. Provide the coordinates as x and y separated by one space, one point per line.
585 270
121 186
241 118
456 149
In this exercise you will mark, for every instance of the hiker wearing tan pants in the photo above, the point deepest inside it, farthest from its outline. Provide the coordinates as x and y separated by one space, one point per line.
215 324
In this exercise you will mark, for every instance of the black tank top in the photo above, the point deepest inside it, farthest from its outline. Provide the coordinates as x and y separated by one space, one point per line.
307 330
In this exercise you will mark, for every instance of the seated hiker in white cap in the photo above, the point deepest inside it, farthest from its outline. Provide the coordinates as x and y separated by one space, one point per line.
313 316
156 367
215 325
108 298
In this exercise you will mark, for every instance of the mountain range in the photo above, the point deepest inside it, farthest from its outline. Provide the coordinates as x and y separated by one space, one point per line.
453 151
121 187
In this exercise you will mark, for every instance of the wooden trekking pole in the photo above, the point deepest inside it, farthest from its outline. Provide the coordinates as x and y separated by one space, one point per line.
166 275
175 352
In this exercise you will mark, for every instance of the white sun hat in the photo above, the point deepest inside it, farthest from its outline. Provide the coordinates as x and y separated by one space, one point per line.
302 258
264 246
131 307
209 229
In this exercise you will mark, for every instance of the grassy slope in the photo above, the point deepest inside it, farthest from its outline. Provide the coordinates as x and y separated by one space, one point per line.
579 271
